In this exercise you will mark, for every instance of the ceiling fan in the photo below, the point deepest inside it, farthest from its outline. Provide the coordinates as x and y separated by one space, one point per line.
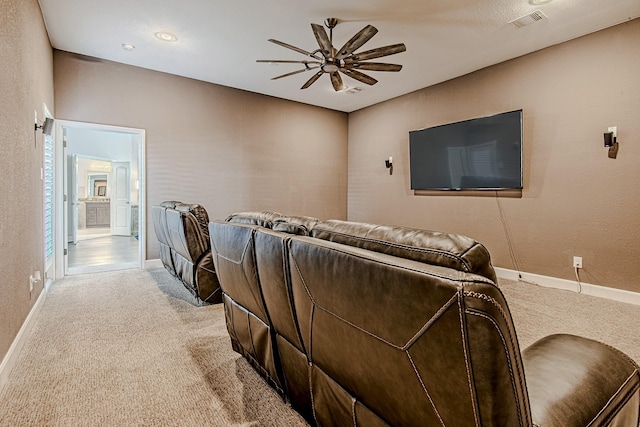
329 60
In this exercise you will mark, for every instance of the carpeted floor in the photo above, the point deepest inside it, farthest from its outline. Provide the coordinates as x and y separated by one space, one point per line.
538 311
128 348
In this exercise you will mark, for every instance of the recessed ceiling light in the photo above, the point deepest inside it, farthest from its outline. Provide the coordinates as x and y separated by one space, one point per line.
128 46
166 37
536 2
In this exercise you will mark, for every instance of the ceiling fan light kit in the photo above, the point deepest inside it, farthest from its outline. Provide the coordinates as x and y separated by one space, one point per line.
329 60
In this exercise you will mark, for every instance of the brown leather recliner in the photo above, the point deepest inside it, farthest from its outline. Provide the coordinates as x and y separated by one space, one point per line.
375 325
258 316
185 247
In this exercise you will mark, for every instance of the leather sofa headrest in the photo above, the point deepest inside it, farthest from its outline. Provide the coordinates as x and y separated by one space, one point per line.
199 212
260 218
298 225
444 249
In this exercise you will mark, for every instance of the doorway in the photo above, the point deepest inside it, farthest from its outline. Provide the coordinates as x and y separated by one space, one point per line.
103 203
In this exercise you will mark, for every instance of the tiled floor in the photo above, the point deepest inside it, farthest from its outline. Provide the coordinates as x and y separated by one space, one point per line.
97 250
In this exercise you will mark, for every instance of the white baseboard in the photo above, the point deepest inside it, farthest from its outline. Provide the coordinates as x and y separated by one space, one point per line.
571 285
153 263
102 268
11 357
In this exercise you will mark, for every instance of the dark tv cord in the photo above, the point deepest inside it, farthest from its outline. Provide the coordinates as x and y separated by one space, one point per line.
507 233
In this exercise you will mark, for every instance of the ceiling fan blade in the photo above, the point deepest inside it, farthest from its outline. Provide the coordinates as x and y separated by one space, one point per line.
323 40
372 66
359 76
294 72
379 52
285 61
312 80
357 41
336 81
288 46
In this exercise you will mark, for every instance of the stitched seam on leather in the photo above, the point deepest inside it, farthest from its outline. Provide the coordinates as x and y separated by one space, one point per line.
253 348
430 322
506 352
195 270
261 303
353 411
304 283
256 364
512 338
478 279
465 351
310 352
624 355
616 409
313 401
289 290
360 329
407 247
424 388
433 318
201 242
313 303
238 262
213 293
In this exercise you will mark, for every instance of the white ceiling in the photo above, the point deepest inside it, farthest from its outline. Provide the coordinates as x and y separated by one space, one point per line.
219 41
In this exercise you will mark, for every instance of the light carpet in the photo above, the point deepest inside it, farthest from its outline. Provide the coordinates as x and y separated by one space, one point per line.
130 348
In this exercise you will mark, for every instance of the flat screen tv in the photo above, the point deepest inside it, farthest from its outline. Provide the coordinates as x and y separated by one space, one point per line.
478 154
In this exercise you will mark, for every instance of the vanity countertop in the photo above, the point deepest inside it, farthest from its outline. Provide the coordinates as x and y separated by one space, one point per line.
95 200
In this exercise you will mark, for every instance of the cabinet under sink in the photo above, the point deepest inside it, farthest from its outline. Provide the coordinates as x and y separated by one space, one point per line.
98 214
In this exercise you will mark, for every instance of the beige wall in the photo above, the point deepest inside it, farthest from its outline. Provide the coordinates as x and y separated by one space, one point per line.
227 149
576 200
26 83
232 150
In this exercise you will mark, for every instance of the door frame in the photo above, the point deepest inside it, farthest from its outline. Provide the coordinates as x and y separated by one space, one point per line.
61 196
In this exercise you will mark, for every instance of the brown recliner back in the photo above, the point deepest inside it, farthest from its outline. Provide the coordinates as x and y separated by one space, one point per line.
388 341
182 231
248 322
258 306
159 215
272 261
394 335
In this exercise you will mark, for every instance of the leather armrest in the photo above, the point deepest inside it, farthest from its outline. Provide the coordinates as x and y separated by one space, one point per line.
574 381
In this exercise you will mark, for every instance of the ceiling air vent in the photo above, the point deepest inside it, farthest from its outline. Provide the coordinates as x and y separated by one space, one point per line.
355 89
530 18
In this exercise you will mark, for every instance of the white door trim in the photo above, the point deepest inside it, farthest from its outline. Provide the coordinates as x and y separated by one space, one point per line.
61 234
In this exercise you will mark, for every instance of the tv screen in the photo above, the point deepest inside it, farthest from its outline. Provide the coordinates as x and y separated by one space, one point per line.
477 154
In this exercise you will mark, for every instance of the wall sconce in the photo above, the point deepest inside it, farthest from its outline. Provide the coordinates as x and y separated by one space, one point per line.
611 142
389 164
47 126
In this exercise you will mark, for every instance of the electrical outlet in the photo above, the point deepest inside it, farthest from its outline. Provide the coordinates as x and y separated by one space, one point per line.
613 129
577 261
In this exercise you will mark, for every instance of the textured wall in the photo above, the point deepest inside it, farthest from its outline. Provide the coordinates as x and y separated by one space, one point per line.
224 148
26 83
576 201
